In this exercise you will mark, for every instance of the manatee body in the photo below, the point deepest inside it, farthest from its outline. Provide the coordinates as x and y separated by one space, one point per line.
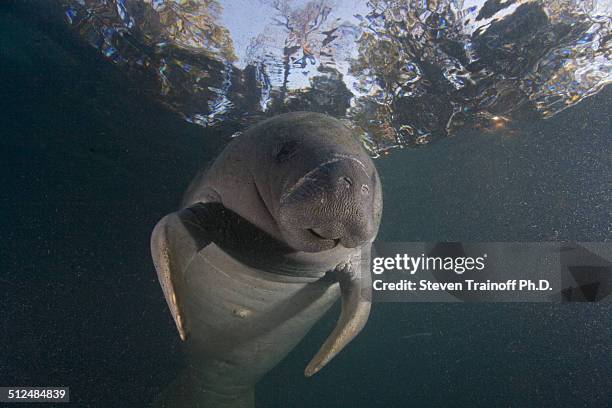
268 237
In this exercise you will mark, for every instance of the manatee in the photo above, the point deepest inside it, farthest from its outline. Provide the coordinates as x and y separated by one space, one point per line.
268 237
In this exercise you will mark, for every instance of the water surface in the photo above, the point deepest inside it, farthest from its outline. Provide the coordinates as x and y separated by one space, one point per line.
401 73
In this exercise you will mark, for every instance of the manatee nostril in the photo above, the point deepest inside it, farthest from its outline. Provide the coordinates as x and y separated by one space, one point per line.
346 180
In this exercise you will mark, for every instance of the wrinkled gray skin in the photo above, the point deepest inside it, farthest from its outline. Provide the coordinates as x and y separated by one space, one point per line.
304 181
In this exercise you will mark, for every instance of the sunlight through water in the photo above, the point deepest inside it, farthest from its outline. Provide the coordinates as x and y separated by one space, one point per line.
402 73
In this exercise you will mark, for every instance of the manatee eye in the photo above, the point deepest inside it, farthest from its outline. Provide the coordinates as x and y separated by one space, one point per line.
286 151
365 190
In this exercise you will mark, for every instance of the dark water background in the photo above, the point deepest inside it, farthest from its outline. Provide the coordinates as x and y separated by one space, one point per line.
88 165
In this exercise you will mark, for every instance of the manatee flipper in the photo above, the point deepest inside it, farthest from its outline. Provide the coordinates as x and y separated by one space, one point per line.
356 290
176 239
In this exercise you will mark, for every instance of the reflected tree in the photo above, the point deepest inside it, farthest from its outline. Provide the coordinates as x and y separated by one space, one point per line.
404 73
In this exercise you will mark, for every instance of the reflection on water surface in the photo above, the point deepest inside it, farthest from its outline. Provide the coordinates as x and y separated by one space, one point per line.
403 73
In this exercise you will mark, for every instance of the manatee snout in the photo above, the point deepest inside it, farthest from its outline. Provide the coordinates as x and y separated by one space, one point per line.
358 232
350 229
335 203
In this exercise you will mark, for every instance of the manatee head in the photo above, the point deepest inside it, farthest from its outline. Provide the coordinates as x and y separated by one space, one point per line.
324 187
337 202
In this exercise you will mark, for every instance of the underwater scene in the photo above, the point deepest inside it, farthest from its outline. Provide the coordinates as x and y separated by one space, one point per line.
318 132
